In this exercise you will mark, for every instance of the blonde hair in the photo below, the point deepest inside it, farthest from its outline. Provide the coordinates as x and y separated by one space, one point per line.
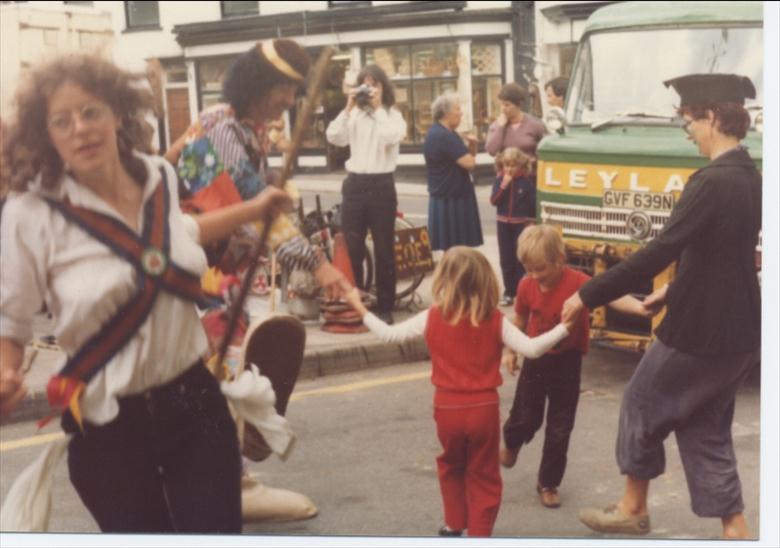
541 242
464 284
517 156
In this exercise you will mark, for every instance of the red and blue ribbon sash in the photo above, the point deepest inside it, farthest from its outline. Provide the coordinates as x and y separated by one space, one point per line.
155 271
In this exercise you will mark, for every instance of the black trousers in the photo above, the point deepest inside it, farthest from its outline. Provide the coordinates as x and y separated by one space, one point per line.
511 267
694 397
369 202
553 379
169 462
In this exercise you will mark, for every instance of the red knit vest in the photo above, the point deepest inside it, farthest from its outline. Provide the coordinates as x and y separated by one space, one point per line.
465 358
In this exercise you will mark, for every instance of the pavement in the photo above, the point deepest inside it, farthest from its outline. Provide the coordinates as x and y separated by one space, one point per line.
325 353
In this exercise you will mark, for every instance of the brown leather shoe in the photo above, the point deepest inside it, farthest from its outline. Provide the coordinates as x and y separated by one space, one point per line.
548 496
508 457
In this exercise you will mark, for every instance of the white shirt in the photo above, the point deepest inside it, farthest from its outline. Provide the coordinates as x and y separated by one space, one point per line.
373 138
510 335
46 259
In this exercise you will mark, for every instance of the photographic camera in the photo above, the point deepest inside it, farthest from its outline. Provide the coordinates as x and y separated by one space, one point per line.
363 96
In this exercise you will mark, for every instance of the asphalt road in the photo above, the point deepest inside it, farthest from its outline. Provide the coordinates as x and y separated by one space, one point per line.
366 456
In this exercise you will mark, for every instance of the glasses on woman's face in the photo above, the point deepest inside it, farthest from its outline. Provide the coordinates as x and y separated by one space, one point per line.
63 123
686 125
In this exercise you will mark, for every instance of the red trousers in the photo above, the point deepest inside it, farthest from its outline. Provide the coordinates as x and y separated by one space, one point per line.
469 475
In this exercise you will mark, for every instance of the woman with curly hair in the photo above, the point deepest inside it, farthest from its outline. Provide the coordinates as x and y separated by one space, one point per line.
93 230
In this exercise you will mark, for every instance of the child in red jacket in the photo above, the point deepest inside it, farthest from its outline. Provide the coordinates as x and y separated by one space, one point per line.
554 378
465 333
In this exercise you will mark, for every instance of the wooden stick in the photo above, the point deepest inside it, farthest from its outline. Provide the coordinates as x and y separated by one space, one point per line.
317 82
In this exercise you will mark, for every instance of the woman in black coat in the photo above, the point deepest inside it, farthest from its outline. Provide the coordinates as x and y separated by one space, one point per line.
710 337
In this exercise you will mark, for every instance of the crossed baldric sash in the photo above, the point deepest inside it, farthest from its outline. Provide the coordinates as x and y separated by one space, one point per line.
155 272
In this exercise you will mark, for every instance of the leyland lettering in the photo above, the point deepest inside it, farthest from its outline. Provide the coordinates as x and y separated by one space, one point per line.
598 180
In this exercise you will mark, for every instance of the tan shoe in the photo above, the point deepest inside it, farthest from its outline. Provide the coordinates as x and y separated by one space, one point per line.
508 457
612 520
549 497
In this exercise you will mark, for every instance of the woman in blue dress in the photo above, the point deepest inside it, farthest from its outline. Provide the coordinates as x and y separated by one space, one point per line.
453 215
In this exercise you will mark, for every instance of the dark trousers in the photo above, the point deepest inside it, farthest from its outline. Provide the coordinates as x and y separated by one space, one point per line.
694 397
511 268
169 462
555 379
469 477
369 202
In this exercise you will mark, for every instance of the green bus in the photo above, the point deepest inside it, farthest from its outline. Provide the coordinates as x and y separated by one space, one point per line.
617 158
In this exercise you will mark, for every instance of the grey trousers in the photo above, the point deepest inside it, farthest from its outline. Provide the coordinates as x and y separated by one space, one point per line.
692 396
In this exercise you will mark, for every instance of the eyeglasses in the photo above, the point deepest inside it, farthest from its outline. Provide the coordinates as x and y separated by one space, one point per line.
63 123
686 125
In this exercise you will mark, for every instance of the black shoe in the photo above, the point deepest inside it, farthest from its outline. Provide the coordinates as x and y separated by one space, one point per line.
445 531
386 317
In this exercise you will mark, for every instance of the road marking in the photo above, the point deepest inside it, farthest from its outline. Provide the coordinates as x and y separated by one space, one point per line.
29 442
360 385
351 387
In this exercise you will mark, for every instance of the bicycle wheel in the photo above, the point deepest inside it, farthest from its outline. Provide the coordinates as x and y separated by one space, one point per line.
403 288
407 286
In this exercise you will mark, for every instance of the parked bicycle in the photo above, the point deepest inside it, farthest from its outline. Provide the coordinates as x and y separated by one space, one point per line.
413 256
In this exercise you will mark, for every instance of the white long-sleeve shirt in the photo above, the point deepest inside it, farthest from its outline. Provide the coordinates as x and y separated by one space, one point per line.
373 138
530 347
47 259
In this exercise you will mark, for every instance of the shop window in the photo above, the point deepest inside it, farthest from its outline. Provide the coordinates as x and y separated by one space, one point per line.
142 15
486 82
419 73
239 9
331 102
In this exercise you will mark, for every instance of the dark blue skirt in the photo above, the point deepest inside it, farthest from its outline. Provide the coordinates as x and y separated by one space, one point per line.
454 221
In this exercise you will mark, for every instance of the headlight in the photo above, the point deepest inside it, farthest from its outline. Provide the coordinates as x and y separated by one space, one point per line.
555 120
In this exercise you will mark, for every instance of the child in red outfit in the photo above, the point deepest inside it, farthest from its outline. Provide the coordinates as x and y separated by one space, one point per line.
465 333
553 378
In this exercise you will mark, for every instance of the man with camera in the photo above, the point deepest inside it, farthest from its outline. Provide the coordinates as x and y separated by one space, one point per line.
373 129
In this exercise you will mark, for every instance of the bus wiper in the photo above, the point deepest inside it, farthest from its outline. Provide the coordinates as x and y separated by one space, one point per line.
596 126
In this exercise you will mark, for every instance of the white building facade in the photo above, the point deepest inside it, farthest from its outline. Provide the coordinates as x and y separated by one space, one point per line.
425 47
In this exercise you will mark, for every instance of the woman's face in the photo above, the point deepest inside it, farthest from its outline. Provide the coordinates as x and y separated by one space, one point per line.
454 116
510 110
552 99
271 106
369 80
700 132
82 128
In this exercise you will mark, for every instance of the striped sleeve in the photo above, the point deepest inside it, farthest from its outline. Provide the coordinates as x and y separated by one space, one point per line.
298 254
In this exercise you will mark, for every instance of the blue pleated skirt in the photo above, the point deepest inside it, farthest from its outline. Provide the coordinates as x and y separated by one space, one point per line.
454 221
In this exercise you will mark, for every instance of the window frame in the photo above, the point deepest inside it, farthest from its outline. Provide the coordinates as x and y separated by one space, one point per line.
139 28
225 15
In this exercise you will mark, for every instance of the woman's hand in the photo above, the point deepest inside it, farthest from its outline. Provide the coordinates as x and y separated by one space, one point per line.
12 388
332 281
271 202
572 308
656 300
350 100
502 120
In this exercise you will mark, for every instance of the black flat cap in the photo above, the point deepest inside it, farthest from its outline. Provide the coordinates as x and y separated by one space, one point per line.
697 89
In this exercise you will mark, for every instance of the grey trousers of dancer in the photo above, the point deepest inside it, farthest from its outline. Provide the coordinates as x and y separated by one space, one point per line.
692 396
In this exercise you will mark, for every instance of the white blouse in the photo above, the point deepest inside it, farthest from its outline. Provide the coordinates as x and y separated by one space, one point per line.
46 259
374 138
510 335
